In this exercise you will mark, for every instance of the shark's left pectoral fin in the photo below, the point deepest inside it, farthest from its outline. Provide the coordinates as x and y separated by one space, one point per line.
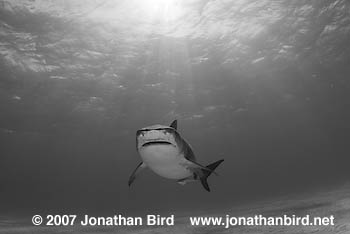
203 172
194 166
137 170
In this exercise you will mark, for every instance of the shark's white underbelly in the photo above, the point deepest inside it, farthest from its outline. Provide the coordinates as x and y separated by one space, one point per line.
165 160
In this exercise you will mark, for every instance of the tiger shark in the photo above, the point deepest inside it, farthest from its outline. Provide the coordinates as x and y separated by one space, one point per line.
165 152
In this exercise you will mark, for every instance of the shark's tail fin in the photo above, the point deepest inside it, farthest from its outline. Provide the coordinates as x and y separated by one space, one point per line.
207 173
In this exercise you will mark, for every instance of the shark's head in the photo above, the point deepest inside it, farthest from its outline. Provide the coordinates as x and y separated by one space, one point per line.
156 134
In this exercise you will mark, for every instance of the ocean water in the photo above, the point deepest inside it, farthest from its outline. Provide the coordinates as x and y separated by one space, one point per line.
263 84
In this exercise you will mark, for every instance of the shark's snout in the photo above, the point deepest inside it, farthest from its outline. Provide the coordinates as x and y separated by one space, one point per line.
156 141
155 136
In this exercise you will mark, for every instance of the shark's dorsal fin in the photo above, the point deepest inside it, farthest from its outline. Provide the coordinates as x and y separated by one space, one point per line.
174 124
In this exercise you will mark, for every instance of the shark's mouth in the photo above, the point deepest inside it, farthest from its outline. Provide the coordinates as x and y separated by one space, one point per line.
156 143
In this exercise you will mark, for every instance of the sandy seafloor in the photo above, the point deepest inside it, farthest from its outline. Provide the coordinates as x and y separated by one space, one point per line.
334 202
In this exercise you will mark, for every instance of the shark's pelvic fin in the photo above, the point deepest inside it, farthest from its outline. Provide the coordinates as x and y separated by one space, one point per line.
206 173
137 170
186 180
182 181
174 124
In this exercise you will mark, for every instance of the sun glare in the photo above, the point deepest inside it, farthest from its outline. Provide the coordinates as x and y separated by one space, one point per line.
163 10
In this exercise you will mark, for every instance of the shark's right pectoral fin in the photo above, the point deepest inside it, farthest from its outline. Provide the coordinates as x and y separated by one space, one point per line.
137 170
